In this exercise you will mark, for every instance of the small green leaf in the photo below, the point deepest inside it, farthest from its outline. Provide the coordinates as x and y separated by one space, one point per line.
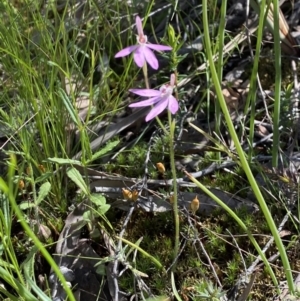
26 205
76 177
159 298
28 268
69 106
63 161
87 216
103 209
45 176
105 150
43 192
95 233
171 34
98 199
101 270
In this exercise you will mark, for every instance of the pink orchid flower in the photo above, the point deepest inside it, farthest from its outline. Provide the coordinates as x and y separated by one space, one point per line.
161 99
142 52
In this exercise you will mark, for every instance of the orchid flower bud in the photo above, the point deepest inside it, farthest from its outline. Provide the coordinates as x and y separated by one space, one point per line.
160 167
126 194
195 204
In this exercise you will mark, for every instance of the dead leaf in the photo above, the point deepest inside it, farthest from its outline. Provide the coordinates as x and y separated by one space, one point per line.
284 233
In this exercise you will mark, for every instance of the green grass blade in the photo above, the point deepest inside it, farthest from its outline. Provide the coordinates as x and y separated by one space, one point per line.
153 259
244 162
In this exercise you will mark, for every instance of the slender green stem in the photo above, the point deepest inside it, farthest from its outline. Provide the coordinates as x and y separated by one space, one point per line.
220 69
175 198
276 118
243 159
251 98
145 72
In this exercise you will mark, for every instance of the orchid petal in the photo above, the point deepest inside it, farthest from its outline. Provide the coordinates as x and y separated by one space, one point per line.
157 109
150 57
139 57
159 47
126 51
139 26
173 104
145 103
146 92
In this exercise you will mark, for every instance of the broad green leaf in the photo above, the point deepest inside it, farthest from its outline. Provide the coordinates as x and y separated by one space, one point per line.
43 192
76 177
62 161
